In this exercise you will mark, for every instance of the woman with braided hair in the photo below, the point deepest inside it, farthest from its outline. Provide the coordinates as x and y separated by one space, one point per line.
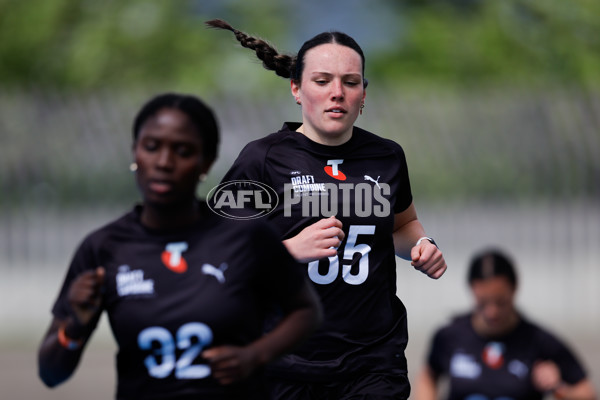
347 210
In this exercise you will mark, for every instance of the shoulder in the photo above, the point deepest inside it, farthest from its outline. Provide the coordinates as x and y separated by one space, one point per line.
125 223
369 142
251 159
285 134
458 325
538 333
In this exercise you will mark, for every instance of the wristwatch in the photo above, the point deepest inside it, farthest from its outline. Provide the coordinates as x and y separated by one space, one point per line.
427 238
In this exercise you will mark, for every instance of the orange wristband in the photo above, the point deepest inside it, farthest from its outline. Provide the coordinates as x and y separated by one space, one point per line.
66 342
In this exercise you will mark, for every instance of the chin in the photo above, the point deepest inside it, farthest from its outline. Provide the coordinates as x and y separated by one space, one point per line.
336 129
163 201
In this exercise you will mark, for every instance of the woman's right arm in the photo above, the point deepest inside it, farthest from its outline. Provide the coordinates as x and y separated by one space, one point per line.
56 362
316 241
65 339
426 387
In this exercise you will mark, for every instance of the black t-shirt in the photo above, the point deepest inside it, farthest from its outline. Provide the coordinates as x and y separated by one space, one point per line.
497 368
170 295
363 182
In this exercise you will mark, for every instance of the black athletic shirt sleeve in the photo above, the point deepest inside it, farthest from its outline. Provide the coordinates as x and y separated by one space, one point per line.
404 193
249 163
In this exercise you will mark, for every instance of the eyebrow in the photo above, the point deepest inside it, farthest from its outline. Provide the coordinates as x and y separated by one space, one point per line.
329 74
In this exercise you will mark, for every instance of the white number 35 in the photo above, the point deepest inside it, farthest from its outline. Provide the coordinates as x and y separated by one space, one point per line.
350 249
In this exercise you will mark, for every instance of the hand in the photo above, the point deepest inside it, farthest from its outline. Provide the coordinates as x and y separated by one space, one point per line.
316 241
85 295
427 258
230 364
545 376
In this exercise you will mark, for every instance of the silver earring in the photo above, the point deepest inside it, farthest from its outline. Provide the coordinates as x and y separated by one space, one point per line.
133 167
202 177
361 107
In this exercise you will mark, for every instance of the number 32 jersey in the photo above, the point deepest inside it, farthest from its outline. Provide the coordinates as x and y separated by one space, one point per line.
363 182
170 295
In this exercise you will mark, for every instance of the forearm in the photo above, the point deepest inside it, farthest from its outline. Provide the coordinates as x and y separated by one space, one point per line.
406 236
426 388
579 391
56 363
407 230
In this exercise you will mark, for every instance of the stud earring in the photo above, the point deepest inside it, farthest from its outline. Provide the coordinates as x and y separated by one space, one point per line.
133 167
202 177
298 101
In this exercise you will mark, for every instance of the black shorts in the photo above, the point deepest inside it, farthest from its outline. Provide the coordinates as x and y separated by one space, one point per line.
371 386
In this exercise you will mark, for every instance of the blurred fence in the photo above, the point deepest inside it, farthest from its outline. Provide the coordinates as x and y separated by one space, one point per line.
512 168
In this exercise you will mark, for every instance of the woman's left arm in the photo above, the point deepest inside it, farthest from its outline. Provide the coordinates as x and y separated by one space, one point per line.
546 378
426 256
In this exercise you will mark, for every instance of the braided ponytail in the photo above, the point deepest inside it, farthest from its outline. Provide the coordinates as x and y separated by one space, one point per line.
283 65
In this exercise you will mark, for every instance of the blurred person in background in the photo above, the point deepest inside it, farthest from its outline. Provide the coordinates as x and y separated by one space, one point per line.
185 290
349 253
494 352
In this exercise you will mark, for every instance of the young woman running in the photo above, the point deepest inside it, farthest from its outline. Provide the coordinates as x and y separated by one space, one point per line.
346 210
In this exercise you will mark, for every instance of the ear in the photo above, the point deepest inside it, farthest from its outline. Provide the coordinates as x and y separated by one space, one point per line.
295 87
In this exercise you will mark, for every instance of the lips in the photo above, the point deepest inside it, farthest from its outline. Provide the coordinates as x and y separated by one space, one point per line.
336 110
160 186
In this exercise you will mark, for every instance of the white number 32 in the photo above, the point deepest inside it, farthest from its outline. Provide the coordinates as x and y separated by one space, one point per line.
184 369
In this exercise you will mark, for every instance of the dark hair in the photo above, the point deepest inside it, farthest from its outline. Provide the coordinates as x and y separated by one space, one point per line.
492 263
198 112
289 66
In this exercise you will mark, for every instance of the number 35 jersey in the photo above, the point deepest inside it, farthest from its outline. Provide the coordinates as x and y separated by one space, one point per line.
170 295
363 182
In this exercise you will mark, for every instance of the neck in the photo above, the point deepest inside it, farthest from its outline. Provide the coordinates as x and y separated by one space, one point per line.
170 217
327 140
483 329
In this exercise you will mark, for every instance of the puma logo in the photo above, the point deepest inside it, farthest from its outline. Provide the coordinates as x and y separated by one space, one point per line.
368 178
219 273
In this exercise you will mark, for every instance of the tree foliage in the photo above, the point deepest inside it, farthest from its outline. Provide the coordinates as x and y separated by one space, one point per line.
524 42
85 44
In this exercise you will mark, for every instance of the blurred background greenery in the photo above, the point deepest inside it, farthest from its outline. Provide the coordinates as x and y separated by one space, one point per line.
496 103
520 76
87 45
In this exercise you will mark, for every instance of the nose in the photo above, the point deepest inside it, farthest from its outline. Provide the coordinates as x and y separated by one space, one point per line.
337 90
165 159
492 312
